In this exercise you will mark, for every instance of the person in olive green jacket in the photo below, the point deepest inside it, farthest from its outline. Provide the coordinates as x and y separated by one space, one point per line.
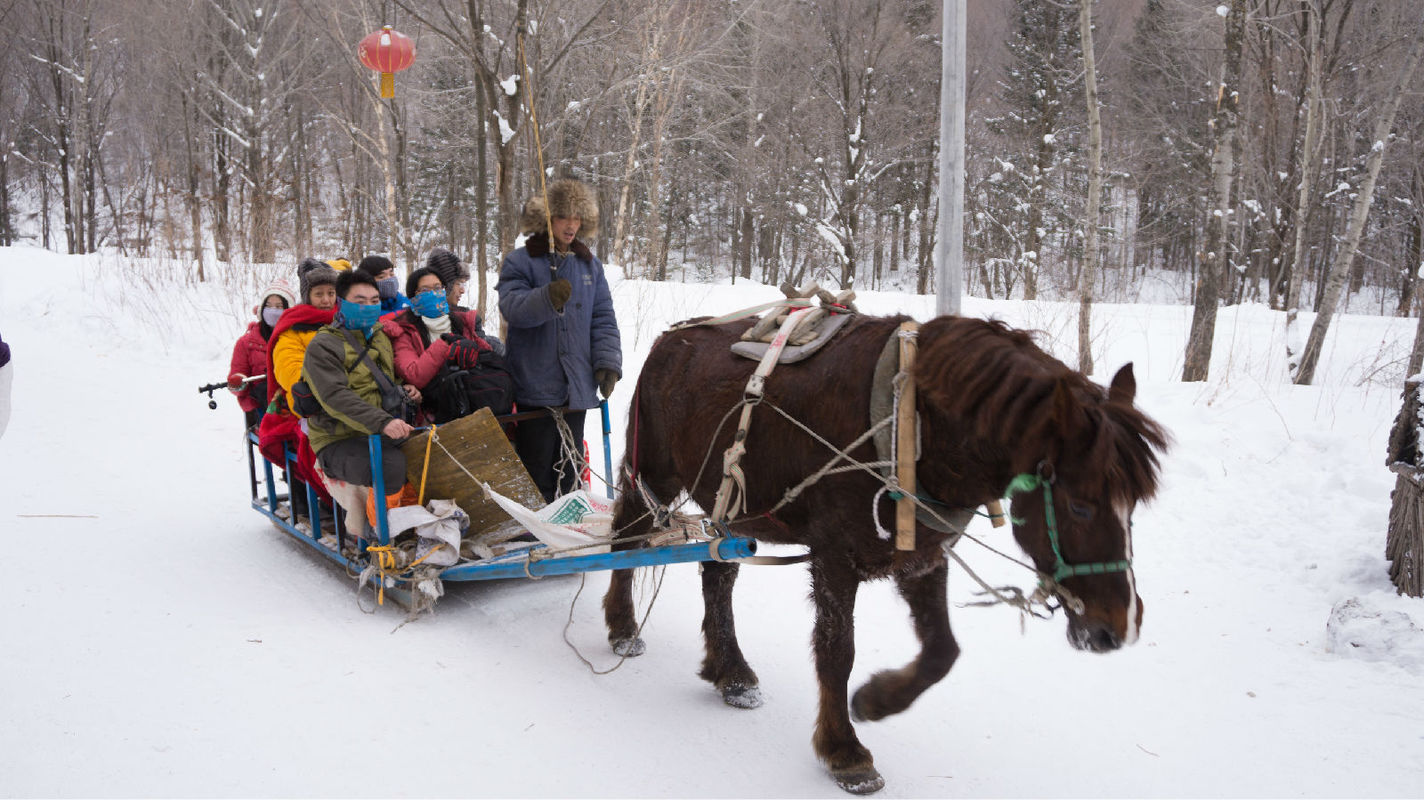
350 395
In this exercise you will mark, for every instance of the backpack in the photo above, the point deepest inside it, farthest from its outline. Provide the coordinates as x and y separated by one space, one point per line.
455 393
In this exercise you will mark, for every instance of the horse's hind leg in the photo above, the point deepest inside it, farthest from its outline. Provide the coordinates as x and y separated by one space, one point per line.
893 690
724 666
834 588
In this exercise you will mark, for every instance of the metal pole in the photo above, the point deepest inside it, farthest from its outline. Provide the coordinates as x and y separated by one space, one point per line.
949 244
607 455
378 483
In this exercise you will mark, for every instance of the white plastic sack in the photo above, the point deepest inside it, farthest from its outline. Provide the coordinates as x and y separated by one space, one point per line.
574 520
437 522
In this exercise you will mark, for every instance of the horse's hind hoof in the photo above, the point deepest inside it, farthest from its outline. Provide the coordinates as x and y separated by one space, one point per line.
860 780
742 696
629 647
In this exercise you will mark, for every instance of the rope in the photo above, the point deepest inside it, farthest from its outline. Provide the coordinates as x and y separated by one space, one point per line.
638 634
425 470
385 561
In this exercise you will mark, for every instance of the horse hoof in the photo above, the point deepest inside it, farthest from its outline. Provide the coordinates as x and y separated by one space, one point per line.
741 696
629 647
861 780
862 710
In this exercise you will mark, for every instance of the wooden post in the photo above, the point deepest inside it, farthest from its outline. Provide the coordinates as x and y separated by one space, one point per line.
905 441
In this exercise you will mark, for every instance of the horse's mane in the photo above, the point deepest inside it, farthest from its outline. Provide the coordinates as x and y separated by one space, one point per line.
1007 391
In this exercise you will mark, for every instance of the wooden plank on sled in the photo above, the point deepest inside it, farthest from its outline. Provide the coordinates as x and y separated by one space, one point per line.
478 443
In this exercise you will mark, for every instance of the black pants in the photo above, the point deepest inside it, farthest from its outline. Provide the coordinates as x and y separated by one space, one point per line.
538 444
350 460
254 417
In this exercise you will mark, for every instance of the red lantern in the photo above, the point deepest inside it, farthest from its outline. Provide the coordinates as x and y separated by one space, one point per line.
386 51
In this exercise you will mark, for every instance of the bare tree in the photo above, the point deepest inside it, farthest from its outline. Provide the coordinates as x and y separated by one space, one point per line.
1089 276
1213 262
1340 270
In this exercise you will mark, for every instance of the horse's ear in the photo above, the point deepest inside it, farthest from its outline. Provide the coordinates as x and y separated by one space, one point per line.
1067 412
1123 387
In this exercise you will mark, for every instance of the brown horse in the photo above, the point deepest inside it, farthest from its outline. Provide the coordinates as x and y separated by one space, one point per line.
993 408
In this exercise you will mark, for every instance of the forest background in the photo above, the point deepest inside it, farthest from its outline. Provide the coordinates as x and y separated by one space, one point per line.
751 139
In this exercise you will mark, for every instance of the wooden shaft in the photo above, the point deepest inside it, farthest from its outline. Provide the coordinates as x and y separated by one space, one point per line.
905 447
996 513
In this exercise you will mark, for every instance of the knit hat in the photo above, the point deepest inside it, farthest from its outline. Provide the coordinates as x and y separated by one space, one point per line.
446 265
338 264
311 274
280 288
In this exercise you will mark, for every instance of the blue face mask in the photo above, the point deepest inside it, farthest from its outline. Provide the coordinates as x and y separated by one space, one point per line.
430 304
359 317
388 287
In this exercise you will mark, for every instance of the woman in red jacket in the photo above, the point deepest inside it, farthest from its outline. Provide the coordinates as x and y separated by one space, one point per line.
428 336
247 375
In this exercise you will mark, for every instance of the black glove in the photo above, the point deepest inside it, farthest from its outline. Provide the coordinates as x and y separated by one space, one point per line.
606 380
464 354
559 293
449 338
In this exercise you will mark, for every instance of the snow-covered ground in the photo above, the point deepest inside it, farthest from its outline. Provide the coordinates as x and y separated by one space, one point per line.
160 638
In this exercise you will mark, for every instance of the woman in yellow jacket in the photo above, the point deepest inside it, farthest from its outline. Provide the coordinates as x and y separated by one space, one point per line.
280 427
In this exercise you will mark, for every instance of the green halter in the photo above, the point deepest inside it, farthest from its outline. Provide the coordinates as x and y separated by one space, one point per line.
1026 482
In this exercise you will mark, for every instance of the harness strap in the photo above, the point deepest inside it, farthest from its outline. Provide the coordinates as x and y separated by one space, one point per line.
732 494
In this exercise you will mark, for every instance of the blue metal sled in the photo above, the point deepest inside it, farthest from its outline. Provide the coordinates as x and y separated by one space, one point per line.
532 562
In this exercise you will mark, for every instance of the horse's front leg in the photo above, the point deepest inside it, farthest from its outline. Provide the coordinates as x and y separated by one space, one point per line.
724 665
893 690
631 518
833 587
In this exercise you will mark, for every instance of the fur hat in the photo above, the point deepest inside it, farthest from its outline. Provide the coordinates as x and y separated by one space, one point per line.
446 266
311 274
567 198
280 288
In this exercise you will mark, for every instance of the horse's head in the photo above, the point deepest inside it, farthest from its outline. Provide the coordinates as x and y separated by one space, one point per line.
1073 508
1080 457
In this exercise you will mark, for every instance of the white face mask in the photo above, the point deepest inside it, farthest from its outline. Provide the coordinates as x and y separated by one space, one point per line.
270 315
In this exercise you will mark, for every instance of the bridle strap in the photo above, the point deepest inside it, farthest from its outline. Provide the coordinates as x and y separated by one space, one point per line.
1026 482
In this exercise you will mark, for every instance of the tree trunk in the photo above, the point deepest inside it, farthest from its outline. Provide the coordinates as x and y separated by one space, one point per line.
7 230
1409 276
1197 362
1335 281
482 206
927 222
1309 163
1087 280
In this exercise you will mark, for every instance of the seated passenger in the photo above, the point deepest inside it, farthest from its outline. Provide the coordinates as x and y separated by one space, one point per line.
383 271
281 427
249 355
295 331
453 276
350 369
432 342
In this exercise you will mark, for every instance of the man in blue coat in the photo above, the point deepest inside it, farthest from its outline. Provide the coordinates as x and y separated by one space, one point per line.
563 346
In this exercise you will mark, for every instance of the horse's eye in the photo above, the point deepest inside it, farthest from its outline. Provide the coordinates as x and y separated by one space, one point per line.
1082 511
